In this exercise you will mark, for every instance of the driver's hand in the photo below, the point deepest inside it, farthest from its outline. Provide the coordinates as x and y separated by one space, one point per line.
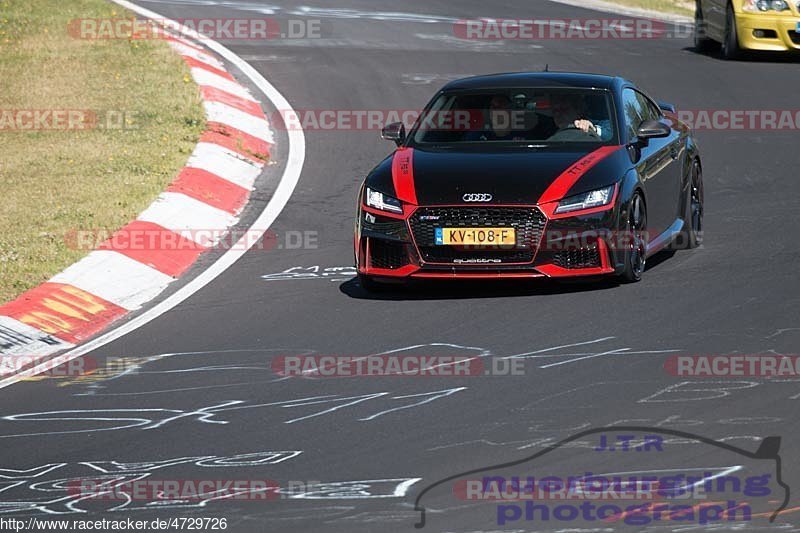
585 126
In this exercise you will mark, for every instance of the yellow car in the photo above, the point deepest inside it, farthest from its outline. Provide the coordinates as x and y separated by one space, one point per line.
771 25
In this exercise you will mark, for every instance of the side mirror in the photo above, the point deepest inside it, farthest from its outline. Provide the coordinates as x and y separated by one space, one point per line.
395 131
652 129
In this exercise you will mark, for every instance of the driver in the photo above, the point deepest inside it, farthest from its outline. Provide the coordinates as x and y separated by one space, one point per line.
568 113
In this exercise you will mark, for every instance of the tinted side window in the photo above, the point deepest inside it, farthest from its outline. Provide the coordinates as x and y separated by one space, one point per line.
650 111
633 111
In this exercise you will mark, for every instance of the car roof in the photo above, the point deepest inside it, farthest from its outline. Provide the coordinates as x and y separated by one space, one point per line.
535 79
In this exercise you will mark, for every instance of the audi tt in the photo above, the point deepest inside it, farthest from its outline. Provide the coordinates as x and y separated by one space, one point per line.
526 175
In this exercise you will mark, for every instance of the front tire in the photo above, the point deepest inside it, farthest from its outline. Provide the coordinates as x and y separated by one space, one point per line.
636 254
730 44
692 234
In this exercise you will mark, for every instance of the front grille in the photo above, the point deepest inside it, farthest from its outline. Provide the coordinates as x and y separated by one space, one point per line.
794 36
528 224
387 254
583 257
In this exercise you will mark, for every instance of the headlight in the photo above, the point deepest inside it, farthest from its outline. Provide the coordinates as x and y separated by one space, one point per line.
378 200
755 6
586 200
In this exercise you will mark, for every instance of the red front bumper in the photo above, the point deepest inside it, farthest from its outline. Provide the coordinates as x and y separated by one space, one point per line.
398 256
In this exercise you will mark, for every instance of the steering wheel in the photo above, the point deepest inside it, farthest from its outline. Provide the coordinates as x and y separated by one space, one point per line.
570 133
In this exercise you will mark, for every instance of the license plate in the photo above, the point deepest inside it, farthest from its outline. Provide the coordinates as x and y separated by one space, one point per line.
476 236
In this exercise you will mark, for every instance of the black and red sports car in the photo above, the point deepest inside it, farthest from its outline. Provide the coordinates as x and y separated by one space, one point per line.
530 175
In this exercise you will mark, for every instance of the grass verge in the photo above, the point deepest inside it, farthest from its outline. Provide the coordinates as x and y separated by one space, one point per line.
149 117
675 7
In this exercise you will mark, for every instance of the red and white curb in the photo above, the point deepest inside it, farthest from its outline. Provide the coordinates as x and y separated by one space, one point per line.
208 194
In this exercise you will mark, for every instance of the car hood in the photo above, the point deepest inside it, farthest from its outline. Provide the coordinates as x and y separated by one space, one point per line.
439 177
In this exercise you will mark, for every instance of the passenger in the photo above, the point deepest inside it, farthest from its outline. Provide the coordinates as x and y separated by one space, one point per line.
501 123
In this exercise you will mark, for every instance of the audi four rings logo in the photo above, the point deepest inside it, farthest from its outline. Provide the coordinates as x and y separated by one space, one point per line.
477 197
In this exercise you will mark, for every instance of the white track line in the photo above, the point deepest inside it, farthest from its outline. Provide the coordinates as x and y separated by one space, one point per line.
288 182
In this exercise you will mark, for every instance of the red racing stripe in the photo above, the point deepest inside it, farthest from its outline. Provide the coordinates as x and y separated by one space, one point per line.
238 141
570 177
194 63
64 311
403 175
210 189
250 107
154 246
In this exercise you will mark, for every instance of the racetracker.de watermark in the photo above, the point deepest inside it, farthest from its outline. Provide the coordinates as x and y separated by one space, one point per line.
741 119
194 490
15 364
246 29
557 240
68 120
376 119
151 238
338 366
490 29
733 366
175 489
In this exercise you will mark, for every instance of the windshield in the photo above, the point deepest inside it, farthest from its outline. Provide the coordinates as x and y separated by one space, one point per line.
538 116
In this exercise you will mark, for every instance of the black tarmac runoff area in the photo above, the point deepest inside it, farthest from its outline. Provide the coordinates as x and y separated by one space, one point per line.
576 378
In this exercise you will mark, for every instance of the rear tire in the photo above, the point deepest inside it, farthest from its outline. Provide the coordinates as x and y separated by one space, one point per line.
701 42
730 44
636 254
